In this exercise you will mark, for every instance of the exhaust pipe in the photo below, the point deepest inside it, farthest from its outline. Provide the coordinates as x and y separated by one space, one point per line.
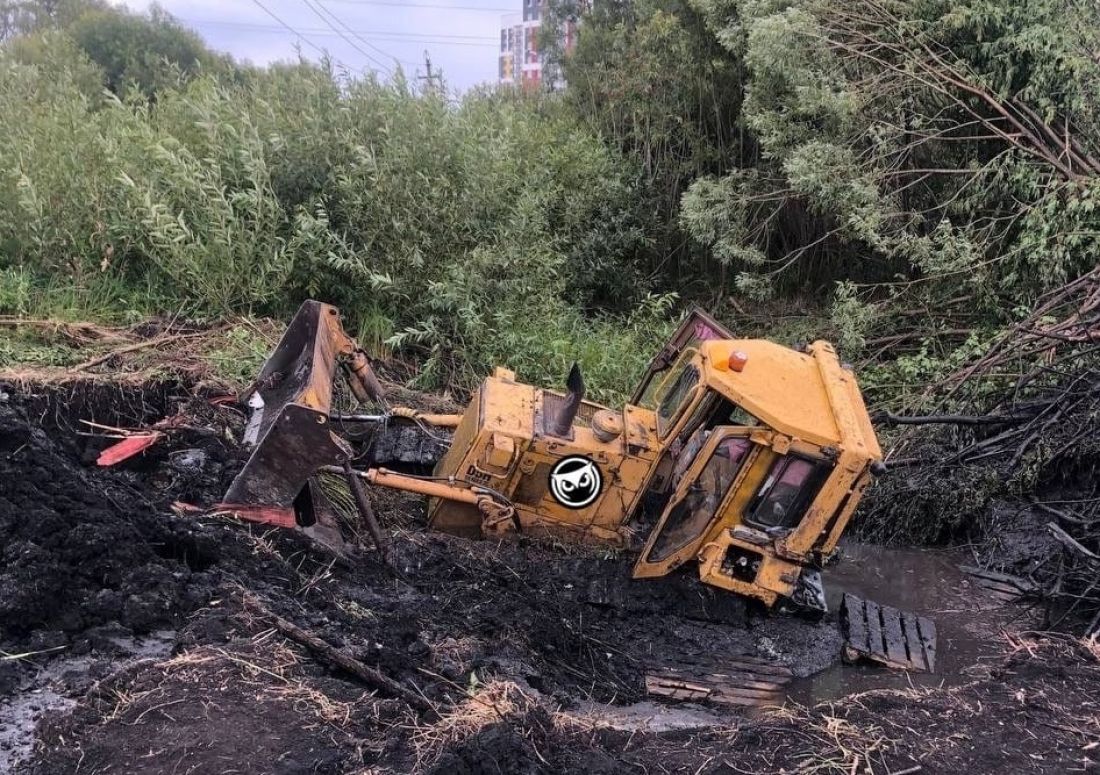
562 425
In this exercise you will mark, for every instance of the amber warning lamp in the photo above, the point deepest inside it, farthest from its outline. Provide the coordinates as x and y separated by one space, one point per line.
736 361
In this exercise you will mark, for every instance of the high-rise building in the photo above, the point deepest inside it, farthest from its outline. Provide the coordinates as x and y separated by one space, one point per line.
520 62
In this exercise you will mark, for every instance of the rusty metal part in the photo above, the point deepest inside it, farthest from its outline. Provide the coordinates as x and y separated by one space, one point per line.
561 425
367 514
497 518
439 420
291 402
745 680
607 425
898 639
269 515
293 448
364 384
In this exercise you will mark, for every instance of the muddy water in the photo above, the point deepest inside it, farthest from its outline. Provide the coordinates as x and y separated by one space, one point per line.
43 690
928 582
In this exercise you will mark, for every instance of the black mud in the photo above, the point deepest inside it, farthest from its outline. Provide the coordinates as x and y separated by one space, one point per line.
525 649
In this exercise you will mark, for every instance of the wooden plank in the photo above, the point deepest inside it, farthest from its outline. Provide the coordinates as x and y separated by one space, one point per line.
875 643
738 698
910 627
738 664
737 691
756 674
854 612
746 680
723 679
680 690
762 668
927 632
894 637
687 690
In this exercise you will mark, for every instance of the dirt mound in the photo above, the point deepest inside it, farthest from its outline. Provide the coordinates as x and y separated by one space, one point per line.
79 552
89 550
512 644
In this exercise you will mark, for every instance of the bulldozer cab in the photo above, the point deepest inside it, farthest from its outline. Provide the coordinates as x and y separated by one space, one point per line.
707 471
765 453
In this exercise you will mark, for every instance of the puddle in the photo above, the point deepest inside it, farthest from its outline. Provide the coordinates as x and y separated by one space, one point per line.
44 691
19 716
929 583
648 716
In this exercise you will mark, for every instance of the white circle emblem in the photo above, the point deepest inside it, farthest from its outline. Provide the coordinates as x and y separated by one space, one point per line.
575 482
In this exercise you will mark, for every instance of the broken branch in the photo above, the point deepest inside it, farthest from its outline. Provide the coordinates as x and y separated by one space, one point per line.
342 660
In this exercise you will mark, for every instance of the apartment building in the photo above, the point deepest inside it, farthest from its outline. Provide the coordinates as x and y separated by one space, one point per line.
520 62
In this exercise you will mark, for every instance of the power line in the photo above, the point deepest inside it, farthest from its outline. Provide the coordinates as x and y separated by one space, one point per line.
385 69
360 37
323 31
294 32
442 39
438 6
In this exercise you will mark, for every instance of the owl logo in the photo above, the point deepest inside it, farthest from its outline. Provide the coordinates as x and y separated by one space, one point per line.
575 482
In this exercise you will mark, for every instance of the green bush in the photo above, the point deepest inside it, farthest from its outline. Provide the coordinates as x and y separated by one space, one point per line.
468 234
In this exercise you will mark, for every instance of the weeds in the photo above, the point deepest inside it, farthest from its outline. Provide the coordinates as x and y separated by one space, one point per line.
467 236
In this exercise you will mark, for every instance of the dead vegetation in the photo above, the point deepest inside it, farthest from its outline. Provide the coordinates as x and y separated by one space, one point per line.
45 352
1021 422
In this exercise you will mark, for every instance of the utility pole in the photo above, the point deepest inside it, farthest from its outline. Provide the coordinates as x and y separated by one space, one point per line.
434 80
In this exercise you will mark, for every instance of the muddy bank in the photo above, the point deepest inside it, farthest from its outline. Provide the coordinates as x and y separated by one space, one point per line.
533 656
83 547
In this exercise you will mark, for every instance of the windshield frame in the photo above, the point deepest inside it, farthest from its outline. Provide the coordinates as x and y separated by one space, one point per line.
697 505
683 394
805 494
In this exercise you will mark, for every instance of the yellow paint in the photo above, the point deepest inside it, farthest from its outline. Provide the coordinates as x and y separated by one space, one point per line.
798 405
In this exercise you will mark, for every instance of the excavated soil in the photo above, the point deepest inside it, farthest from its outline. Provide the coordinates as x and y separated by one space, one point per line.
146 641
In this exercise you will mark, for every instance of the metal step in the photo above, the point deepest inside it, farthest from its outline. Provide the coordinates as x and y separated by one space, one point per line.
883 634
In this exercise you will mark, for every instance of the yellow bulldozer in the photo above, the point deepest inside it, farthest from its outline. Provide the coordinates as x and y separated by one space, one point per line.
744 455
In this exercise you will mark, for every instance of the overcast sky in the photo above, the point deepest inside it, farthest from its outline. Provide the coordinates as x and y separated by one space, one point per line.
462 36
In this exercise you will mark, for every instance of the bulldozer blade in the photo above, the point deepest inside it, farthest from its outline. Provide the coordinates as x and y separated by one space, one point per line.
291 401
898 639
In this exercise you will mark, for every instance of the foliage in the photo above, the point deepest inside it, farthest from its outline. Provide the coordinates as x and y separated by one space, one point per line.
148 53
920 136
651 79
478 233
133 51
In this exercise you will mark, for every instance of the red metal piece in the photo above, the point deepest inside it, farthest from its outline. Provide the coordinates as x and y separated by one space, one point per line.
127 448
268 515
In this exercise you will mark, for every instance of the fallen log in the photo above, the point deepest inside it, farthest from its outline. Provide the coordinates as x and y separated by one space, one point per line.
888 418
338 658
1070 542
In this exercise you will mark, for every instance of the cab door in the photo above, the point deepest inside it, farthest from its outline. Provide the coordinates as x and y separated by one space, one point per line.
697 327
723 462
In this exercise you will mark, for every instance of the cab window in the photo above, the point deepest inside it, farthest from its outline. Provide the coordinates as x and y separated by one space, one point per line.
668 411
695 511
790 487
